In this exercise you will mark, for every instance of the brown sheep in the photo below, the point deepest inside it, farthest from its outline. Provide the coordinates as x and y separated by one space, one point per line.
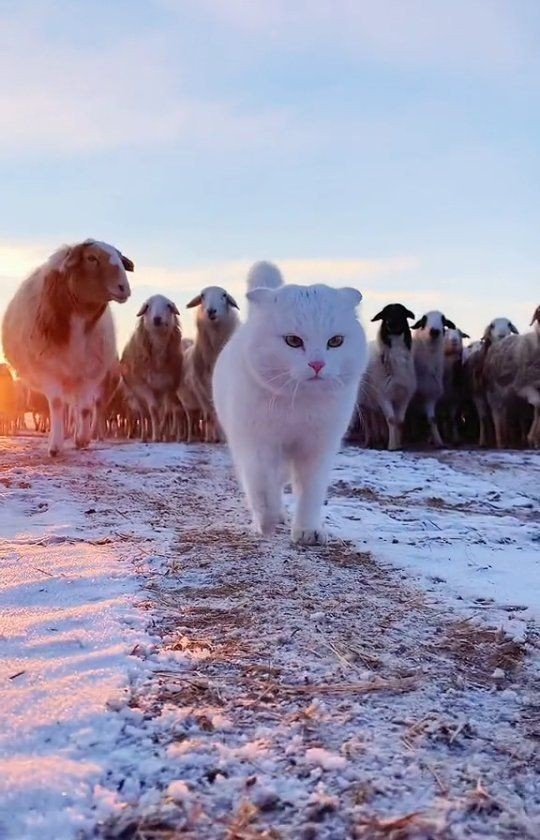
8 402
152 362
58 331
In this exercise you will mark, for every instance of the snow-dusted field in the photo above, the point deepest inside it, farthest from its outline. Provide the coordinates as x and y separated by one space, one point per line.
165 673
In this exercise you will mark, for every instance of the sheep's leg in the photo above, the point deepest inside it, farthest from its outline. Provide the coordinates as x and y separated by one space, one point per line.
56 437
191 425
220 434
311 475
433 428
500 427
366 426
83 428
183 422
263 482
396 425
392 423
533 438
212 435
532 395
483 421
154 422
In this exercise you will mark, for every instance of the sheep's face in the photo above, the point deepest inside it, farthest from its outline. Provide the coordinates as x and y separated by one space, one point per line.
453 342
159 315
499 329
395 322
98 272
432 325
214 304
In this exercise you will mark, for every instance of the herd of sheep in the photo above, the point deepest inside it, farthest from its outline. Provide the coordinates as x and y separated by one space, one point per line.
421 384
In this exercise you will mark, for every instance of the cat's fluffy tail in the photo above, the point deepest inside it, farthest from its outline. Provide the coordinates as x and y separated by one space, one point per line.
264 275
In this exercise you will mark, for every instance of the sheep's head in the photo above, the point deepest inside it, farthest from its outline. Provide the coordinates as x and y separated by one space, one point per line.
453 342
159 315
498 329
433 324
215 304
395 321
97 272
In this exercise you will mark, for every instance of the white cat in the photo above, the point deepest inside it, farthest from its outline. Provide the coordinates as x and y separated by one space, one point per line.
284 391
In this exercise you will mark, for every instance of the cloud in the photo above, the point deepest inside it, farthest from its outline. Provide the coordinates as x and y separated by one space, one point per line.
73 92
70 98
484 35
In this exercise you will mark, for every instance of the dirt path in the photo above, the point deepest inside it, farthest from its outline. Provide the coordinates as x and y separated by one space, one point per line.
301 693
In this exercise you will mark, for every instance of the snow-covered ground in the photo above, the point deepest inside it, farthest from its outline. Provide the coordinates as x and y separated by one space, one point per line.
162 670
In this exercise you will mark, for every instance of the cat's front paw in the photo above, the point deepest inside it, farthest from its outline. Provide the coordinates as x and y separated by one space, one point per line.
305 536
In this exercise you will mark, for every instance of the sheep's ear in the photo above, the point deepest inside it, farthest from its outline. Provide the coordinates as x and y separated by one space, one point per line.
195 302
463 335
74 256
409 314
353 295
260 295
449 324
143 309
173 307
536 316
128 264
420 324
231 301
515 329
379 316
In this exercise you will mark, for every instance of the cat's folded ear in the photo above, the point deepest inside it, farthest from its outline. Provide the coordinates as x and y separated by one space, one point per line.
352 296
260 295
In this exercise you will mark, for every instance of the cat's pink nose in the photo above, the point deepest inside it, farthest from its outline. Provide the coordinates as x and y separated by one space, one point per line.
317 366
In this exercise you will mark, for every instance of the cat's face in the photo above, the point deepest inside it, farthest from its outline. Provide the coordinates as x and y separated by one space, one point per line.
306 336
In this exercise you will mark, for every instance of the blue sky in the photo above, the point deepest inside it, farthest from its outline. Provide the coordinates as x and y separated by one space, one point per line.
391 145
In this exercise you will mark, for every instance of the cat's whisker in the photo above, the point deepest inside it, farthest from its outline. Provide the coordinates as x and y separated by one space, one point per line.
294 395
278 376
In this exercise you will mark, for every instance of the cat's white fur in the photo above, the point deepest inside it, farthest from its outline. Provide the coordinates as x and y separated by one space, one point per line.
283 419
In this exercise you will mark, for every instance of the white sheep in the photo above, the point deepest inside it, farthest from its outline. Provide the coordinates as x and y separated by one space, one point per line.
390 379
512 369
216 320
474 373
58 331
450 407
428 355
152 361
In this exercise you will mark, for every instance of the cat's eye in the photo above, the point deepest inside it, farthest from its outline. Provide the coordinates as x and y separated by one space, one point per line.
335 341
293 340
92 258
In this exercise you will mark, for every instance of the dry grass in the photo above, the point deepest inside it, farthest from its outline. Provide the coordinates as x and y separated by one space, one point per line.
477 651
242 827
406 827
353 688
